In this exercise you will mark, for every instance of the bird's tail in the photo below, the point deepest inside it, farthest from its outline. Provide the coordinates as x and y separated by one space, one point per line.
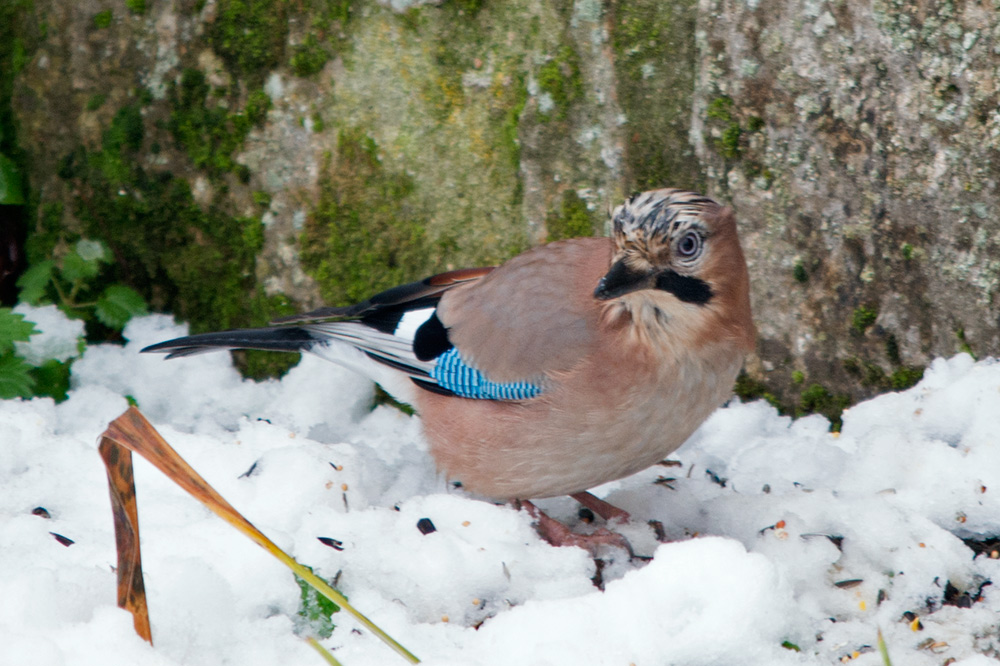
286 339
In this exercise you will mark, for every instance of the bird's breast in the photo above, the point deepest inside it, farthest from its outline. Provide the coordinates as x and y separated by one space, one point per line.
611 416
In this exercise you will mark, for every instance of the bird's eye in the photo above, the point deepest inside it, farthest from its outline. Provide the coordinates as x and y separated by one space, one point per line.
689 246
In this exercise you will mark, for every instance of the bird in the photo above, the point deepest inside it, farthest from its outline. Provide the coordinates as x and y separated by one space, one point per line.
575 363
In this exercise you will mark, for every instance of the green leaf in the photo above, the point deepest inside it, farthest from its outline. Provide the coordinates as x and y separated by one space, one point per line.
13 329
35 281
316 611
15 378
11 184
75 267
52 379
118 304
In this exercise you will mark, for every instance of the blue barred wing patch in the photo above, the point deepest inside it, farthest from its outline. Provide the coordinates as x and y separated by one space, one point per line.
452 373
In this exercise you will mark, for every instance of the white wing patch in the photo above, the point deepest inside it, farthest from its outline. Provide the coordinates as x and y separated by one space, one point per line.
411 321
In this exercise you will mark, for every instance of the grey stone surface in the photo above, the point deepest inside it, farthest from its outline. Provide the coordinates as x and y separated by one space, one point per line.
859 143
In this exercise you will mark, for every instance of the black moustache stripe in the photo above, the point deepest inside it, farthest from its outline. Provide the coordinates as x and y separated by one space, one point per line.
686 288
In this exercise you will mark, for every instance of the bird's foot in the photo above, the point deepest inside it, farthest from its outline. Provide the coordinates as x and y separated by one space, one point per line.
558 534
608 512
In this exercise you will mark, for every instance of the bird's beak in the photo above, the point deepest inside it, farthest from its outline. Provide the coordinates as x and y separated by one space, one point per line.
623 279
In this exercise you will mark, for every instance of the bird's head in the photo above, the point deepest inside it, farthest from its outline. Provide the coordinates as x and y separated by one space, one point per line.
677 250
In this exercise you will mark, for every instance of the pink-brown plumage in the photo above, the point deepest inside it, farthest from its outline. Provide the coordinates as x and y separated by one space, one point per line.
632 342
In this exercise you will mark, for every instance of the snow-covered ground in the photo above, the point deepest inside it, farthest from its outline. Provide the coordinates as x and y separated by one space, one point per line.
780 532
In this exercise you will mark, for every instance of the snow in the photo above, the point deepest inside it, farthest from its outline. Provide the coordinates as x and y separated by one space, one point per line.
881 509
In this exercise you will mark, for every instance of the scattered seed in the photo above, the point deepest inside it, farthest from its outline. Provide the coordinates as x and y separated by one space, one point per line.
66 541
336 544
291 435
715 478
41 512
880 597
343 487
658 530
250 471
465 523
670 463
961 518
916 625
849 583
922 544
476 602
766 489
995 554
780 525
862 605
586 515
339 468
444 618
666 481
426 527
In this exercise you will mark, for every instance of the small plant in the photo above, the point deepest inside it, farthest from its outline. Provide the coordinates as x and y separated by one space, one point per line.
15 373
70 278
70 283
315 611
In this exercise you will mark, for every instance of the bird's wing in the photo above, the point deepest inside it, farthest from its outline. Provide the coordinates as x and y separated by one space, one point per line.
486 333
392 336
534 315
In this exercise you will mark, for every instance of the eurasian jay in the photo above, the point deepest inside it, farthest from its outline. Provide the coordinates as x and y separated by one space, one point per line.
572 364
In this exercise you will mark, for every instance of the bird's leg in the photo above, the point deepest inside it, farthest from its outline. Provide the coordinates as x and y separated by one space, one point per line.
601 508
558 534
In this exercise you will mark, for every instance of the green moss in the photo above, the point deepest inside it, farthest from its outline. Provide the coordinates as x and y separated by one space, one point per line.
511 100
817 399
571 220
747 388
197 263
250 35
362 236
136 6
721 114
206 129
560 78
654 60
798 377
907 251
963 343
729 143
95 102
799 273
863 317
720 108
755 124
262 199
905 377
317 123
309 57
102 20
120 141
19 33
